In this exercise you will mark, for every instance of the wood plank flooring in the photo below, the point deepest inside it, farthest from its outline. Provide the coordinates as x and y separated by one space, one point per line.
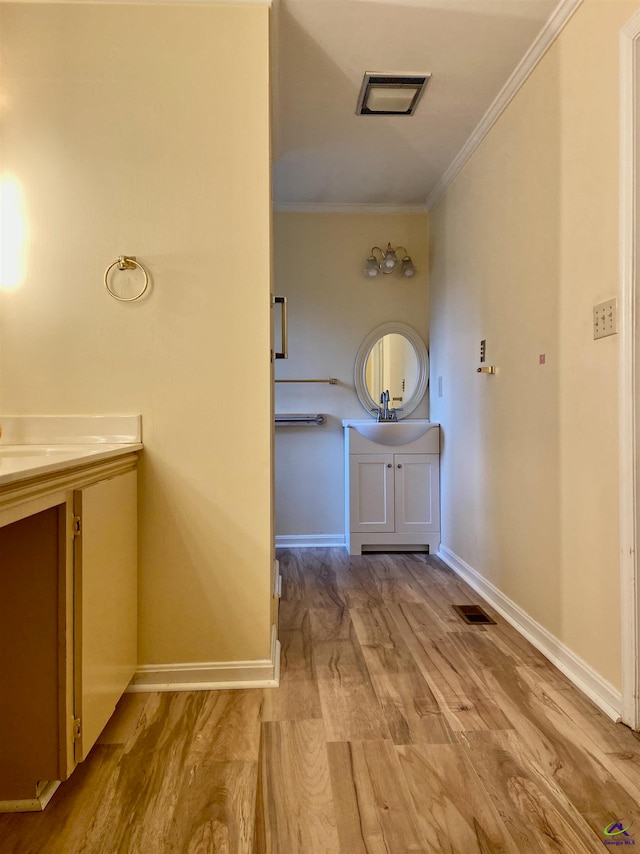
439 736
396 728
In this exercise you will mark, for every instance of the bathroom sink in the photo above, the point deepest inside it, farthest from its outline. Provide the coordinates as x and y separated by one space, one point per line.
392 432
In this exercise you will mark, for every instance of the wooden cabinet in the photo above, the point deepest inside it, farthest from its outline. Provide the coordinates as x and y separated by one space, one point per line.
392 499
68 620
32 655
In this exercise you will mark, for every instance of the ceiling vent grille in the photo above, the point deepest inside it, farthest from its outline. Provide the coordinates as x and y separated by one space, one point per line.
390 94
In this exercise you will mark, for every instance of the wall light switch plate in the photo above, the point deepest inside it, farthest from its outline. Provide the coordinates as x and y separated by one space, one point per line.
605 318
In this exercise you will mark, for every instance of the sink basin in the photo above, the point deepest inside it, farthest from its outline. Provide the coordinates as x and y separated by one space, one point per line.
392 432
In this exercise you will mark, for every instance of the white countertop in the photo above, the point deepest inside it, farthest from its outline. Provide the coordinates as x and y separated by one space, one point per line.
35 445
19 462
350 422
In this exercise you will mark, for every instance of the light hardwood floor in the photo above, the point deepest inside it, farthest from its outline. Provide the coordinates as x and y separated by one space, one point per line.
396 728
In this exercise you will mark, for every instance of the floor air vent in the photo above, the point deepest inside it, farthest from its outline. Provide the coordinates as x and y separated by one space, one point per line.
474 615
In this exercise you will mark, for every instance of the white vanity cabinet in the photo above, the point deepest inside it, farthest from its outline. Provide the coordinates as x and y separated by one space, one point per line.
105 607
68 618
392 492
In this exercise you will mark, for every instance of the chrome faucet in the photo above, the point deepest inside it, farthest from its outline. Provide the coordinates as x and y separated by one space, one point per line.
385 413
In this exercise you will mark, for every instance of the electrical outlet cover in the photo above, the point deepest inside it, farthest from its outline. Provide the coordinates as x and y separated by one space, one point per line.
605 318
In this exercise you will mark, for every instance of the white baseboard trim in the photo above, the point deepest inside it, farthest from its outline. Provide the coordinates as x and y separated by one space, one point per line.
582 675
354 208
36 804
310 541
209 676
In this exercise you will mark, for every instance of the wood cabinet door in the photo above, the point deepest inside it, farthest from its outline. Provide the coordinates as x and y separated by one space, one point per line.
32 654
371 493
105 619
417 492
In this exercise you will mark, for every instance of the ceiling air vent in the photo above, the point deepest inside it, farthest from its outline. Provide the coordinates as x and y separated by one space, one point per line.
390 94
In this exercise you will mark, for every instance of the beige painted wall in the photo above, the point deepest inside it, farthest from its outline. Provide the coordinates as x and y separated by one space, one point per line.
144 130
318 262
523 244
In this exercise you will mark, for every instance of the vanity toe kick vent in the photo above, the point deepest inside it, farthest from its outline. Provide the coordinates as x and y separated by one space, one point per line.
474 615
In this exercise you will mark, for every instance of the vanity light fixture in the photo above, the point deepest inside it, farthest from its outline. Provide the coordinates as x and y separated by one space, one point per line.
388 262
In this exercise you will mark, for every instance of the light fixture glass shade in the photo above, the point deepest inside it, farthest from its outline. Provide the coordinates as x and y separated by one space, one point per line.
407 267
371 267
388 263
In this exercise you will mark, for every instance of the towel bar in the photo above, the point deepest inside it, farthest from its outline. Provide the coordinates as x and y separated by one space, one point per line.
331 381
297 420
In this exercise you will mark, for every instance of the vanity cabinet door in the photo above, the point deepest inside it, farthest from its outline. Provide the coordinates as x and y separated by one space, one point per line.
105 576
417 492
371 493
32 637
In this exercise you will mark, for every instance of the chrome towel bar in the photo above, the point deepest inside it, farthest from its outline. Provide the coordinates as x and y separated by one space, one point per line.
297 420
331 381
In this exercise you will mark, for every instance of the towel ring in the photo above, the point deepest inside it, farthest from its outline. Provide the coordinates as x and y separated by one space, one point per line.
126 262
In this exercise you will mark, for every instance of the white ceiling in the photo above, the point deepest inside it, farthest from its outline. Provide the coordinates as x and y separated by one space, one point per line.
324 154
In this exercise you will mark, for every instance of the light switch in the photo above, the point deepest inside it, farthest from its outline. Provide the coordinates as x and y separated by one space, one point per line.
605 318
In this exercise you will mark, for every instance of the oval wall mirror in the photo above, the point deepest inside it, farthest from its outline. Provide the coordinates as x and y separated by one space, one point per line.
394 357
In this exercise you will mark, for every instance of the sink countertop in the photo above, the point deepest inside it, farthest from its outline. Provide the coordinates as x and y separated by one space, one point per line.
352 422
19 462
35 445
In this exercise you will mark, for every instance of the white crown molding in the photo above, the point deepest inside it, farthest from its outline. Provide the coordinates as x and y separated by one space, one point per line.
310 207
629 187
583 676
540 46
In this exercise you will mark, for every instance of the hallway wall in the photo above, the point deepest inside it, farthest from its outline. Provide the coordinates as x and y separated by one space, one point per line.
523 245
144 130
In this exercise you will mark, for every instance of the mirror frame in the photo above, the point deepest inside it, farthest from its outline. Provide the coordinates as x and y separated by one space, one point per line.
359 374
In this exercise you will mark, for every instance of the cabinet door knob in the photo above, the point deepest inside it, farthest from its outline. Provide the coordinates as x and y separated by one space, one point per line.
399 465
389 466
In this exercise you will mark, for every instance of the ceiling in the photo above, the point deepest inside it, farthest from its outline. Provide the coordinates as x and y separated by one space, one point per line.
324 154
